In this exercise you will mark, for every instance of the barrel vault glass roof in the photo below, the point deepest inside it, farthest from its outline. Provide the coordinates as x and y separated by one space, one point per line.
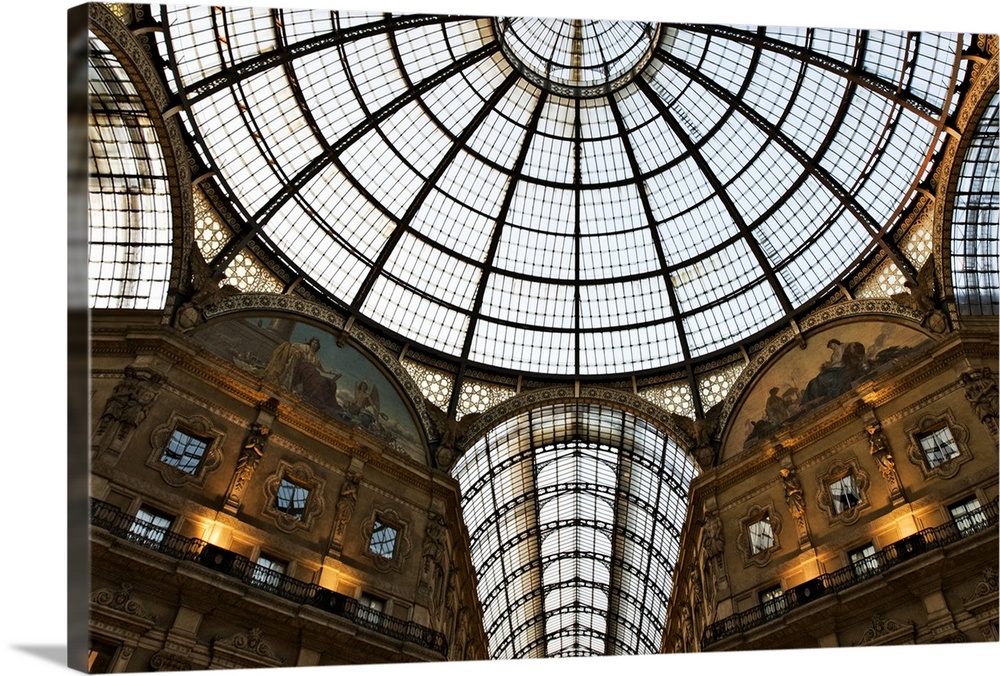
565 198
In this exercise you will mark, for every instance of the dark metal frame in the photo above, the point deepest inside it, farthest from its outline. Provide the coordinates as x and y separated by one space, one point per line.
118 523
844 578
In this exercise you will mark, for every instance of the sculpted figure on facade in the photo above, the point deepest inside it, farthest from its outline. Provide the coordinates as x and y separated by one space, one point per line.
344 509
982 394
128 403
432 557
246 463
880 451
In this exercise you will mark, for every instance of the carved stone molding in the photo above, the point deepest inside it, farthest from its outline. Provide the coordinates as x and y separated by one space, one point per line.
121 600
986 589
402 546
125 408
300 474
885 631
755 514
165 661
881 453
244 650
837 470
196 425
927 425
796 501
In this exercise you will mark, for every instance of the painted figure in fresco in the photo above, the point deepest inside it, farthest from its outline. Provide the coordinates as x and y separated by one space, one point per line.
297 367
847 363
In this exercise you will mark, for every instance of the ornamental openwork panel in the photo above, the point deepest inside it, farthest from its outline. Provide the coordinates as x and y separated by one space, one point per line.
938 445
758 536
843 491
293 496
185 450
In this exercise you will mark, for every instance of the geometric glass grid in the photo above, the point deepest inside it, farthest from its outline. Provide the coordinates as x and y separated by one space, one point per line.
560 197
974 221
574 513
130 219
761 535
845 494
184 451
938 446
383 539
291 498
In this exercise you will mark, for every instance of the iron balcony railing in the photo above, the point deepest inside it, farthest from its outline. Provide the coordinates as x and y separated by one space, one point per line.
125 526
857 572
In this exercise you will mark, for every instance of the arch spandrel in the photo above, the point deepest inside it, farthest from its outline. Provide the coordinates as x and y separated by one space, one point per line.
800 380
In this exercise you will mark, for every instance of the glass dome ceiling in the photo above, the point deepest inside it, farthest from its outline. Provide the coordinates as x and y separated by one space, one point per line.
568 198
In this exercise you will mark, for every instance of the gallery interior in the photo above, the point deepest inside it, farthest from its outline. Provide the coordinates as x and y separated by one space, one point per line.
426 337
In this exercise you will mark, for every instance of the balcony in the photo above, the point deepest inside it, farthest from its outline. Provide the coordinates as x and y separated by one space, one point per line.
108 517
853 574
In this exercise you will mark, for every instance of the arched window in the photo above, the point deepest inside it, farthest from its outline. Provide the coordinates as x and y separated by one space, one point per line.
131 231
574 513
974 222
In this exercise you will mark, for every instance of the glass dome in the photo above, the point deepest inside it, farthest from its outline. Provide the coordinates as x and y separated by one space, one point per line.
562 198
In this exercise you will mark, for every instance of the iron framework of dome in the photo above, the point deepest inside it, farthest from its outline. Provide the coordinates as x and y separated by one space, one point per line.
403 168
550 199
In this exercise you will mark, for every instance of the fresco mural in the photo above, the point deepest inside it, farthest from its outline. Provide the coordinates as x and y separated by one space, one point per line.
834 362
305 360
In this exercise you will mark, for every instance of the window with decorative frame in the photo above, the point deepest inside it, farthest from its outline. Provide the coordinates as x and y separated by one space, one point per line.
383 538
938 445
185 451
291 498
294 496
844 493
758 535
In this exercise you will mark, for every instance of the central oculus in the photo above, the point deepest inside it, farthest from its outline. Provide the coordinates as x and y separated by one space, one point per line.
577 57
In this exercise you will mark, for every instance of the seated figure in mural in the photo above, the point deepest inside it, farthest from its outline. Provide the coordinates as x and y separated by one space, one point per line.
846 364
297 367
